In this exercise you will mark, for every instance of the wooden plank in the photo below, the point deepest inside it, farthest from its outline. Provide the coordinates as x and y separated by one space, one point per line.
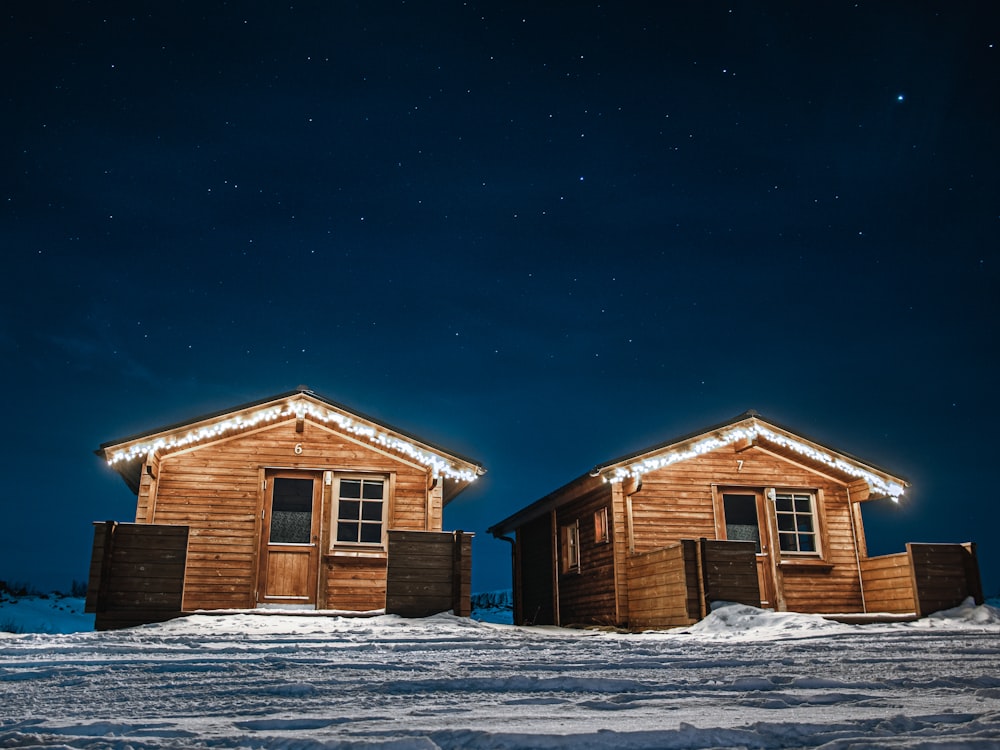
135 576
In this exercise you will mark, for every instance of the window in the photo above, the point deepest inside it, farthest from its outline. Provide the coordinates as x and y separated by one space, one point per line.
291 511
796 516
360 510
571 547
740 513
601 532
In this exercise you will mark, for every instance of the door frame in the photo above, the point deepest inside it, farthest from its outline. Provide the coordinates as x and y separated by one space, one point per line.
768 576
264 546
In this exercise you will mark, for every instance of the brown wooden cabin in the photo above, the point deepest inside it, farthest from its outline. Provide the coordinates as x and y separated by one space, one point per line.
745 511
292 501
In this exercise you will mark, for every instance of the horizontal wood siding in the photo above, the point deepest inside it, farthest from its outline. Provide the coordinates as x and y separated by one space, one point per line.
888 584
428 572
354 584
587 594
676 503
136 574
925 579
663 587
533 587
729 572
215 490
945 575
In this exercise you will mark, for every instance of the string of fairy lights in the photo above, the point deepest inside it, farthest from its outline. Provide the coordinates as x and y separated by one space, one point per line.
298 408
442 467
739 433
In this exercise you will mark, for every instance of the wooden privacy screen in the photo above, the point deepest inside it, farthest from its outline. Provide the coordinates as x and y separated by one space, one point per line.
663 587
136 574
429 572
676 585
729 573
926 578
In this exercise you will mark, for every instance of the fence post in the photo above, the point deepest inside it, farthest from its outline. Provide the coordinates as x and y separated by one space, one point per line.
702 582
973 579
107 558
460 575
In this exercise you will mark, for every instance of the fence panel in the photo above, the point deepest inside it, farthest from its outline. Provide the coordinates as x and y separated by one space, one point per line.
429 572
136 573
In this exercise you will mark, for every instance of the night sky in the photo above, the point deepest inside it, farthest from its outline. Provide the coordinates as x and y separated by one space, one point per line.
540 234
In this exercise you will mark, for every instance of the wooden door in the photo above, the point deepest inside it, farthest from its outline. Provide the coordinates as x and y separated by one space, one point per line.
289 558
746 519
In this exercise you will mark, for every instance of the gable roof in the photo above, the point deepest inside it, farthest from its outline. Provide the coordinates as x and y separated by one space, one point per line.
126 455
748 427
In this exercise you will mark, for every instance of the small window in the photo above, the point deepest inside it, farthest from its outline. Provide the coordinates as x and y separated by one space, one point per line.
291 511
571 547
360 510
796 516
602 534
740 512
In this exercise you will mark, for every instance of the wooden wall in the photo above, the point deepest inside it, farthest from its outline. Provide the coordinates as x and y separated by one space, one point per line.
428 573
355 584
587 593
215 490
136 574
676 503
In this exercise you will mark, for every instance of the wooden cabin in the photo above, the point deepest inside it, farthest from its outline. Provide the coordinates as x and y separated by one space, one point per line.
746 511
290 501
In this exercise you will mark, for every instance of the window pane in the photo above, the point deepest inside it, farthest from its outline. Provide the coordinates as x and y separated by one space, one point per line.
371 512
741 519
292 495
360 509
601 531
795 516
372 490
347 532
291 511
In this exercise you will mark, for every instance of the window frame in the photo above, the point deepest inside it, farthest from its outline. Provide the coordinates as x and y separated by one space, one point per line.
570 543
813 496
336 499
602 531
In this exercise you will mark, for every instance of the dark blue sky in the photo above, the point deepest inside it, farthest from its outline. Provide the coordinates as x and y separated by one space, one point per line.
540 234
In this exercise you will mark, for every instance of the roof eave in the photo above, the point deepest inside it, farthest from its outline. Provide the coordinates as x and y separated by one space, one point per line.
750 419
474 468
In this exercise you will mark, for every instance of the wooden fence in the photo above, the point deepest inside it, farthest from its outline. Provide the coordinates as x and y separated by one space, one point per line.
429 572
676 585
926 578
136 574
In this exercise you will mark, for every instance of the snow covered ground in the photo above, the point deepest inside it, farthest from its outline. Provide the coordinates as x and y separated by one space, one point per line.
49 613
742 678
